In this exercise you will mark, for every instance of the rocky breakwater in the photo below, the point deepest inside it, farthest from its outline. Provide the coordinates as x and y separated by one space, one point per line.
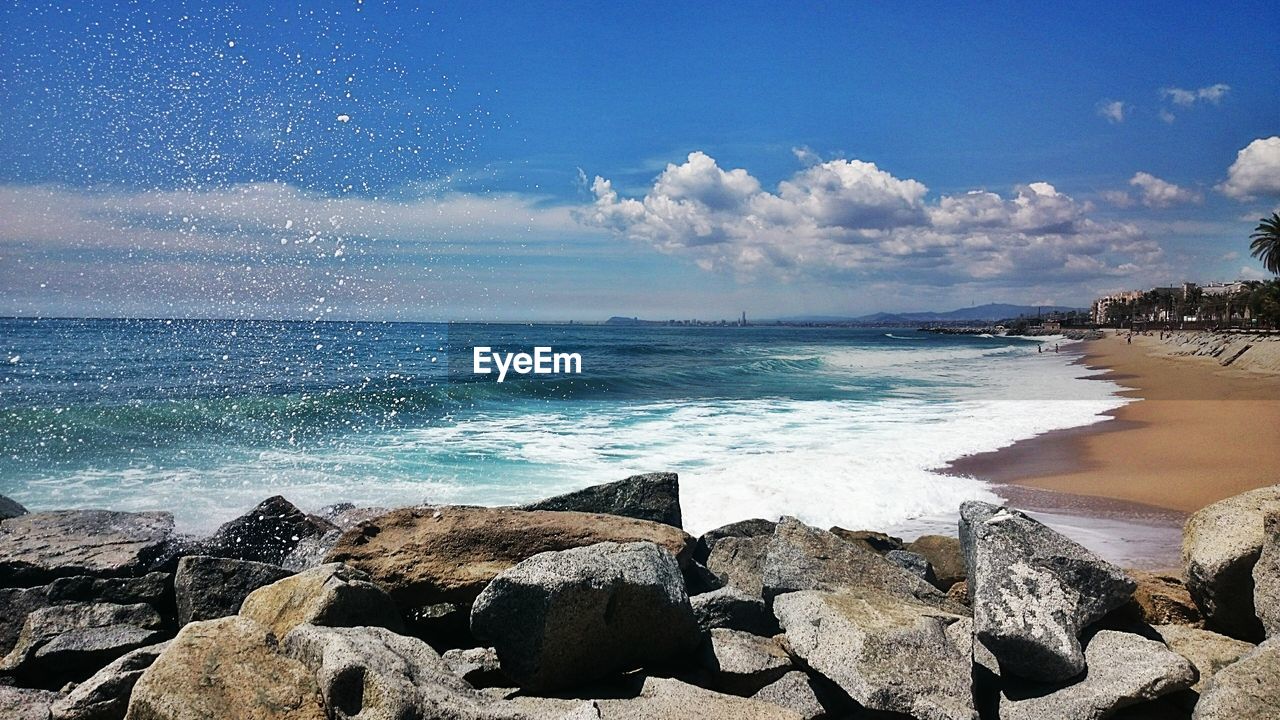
597 605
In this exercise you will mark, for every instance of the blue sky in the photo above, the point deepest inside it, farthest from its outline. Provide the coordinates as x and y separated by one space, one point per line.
505 160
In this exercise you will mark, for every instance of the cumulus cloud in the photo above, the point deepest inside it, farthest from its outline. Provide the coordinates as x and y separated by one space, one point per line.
1212 94
1159 193
1256 171
1113 110
849 218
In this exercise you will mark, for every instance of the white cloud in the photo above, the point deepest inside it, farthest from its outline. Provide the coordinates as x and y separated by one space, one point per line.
1119 198
1248 272
1167 117
1256 171
1113 110
1186 98
806 155
1159 193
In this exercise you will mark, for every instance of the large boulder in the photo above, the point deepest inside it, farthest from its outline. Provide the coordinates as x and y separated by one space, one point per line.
888 653
37 547
63 643
559 619
1266 578
738 562
663 699
652 496
914 563
740 663
1220 544
1161 598
1248 689
480 666
105 696
311 551
870 539
226 668
945 555
796 692
152 588
25 703
733 609
267 533
427 556
755 527
1124 669
206 587
1034 591
10 508
332 595
1208 651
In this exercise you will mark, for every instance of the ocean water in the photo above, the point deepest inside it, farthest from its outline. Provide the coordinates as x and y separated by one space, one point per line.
207 418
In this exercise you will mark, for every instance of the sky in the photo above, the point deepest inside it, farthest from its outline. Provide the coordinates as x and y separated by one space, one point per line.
539 161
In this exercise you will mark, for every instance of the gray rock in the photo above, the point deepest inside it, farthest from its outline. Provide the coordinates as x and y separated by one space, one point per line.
872 540
1248 689
267 533
478 666
332 595
347 515
651 496
1220 544
741 663
38 547
209 587
69 642
734 609
913 563
888 653
152 589
310 551
10 508
741 529
796 692
799 557
738 562
105 696
1034 591
1124 669
562 618
944 554
1208 651
1266 578
663 699
25 703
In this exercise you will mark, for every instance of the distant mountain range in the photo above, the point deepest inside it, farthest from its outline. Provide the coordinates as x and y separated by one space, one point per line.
988 313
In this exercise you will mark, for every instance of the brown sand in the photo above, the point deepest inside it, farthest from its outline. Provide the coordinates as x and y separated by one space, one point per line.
1200 433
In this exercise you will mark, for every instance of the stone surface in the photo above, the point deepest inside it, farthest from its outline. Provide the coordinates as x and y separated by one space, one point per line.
755 527
870 539
267 533
888 653
206 587
738 562
426 556
152 588
1220 544
1161 598
25 703
914 563
38 547
1124 669
478 666
345 516
311 551
1266 578
651 496
741 663
1248 689
944 554
69 642
664 699
796 692
1034 591
332 595
105 696
561 618
10 508
734 609
226 668
1208 651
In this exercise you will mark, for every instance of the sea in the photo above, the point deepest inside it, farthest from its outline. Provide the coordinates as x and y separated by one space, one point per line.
206 418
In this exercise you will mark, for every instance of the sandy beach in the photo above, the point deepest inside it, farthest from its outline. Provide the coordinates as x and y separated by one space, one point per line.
1199 433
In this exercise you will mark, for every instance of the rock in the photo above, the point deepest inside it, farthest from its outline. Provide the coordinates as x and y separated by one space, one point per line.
1208 651
347 515
733 609
652 496
1220 544
1248 689
796 692
944 554
331 595
38 547
799 557
1124 669
1034 591
210 587
10 508
741 529
663 699
225 668
1160 599
310 551
152 588
1266 578
266 533
69 642
478 666
562 618
877 542
105 696
17 604
741 663
738 562
886 652
25 703
959 593
427 556
913 563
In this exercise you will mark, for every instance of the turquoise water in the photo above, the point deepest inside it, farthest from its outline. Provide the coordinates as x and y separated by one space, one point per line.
206 418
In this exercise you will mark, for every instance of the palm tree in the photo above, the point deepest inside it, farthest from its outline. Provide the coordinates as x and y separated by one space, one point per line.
1266 243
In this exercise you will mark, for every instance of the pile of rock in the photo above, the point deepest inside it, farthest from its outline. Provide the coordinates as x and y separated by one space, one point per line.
598 605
